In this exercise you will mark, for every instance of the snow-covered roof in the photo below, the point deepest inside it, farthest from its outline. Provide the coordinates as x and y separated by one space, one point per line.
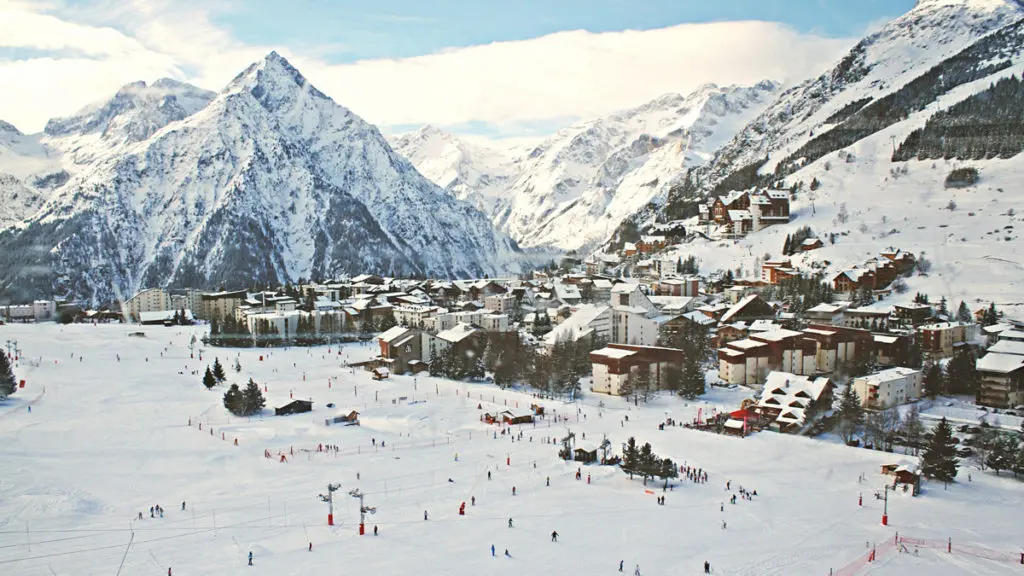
1008 347
777 335
888 375
810 241
602 284
784 387
825 308
577 324
699 318
737 215
457 333
1000 363
734 424
746 344
392 333
738 307
567 292
652 239
764 326
614 353
629 246
1011 335
882 339
632 309
625 287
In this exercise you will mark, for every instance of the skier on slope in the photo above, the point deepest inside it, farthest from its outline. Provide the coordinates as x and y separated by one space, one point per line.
509 522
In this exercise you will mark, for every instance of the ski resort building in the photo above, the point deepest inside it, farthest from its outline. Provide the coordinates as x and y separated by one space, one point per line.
148 300
942 339
1002 375
614 364
888 388
740 213
787 401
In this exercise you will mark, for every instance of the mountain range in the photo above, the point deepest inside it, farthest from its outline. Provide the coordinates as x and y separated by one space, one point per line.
268 180
573 189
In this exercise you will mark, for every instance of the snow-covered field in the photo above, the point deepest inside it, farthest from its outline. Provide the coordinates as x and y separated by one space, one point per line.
106 439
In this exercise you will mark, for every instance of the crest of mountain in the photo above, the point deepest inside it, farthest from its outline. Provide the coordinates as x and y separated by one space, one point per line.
852 93
269 181
574 188
474 173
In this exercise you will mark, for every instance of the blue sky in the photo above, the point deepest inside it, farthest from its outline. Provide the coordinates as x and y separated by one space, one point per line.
350 30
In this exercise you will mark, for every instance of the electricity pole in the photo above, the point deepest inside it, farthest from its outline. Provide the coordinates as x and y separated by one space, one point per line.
363 509
329 498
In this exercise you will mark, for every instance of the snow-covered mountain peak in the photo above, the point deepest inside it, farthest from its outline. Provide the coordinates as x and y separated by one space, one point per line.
135 112
8 128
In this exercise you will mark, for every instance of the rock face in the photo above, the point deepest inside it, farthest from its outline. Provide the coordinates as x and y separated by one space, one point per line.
267 181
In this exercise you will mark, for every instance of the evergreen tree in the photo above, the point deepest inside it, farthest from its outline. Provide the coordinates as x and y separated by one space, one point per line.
252 398
436 367
939 460
1018 462
233 399
990 316
209 380
1002 454
850 414
8 383
218 371
934 380
961 373
913 429
387 322
648 462
668 469
943 308
693 382
630 457
963 314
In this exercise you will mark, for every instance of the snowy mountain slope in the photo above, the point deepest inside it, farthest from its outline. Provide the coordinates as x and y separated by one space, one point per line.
28 171
270 181
574 188
880 65
474 173
578 185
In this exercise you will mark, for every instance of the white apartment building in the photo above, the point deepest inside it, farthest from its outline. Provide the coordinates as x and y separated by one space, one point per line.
888 388
149 300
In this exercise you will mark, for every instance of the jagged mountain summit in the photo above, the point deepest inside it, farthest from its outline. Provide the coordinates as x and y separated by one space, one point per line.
574 188
269 181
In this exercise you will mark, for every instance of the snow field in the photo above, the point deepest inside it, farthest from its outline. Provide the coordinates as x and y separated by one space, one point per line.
109 439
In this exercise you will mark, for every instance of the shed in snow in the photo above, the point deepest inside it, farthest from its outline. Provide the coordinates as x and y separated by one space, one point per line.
294 407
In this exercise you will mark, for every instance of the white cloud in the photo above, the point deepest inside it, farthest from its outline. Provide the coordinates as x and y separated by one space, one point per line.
505 84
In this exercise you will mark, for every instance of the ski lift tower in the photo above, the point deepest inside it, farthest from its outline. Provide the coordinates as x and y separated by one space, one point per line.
329 498
363 509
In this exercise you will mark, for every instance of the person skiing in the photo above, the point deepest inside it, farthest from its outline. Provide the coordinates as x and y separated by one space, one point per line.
488 474
547 481
707 567
509 522
621 563
182 505
636 572
310 546
554 536
513 490
250 557
492 550
472 500
151 508
168 571
507 555
723 524
424 514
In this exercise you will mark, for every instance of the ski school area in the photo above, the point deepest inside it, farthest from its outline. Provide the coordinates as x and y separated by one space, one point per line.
114 430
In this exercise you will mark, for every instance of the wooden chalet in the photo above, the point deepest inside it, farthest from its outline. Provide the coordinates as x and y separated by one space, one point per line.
294 407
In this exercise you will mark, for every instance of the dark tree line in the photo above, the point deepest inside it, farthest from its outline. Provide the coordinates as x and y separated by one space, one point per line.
986 125
913 97
8 382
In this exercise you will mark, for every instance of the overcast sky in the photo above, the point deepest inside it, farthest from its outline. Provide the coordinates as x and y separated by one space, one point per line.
484 67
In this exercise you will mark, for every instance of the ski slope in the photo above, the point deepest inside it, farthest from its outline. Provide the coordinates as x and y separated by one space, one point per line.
106 439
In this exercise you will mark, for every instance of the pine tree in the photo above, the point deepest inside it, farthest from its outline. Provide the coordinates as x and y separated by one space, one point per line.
693 379
963 313
233 399
943 308
850 414
252 398
218 371
1002 453
648 462
939 460
934 380
990 317
209 380
668 470
630 457
961 373
8 383
913 429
